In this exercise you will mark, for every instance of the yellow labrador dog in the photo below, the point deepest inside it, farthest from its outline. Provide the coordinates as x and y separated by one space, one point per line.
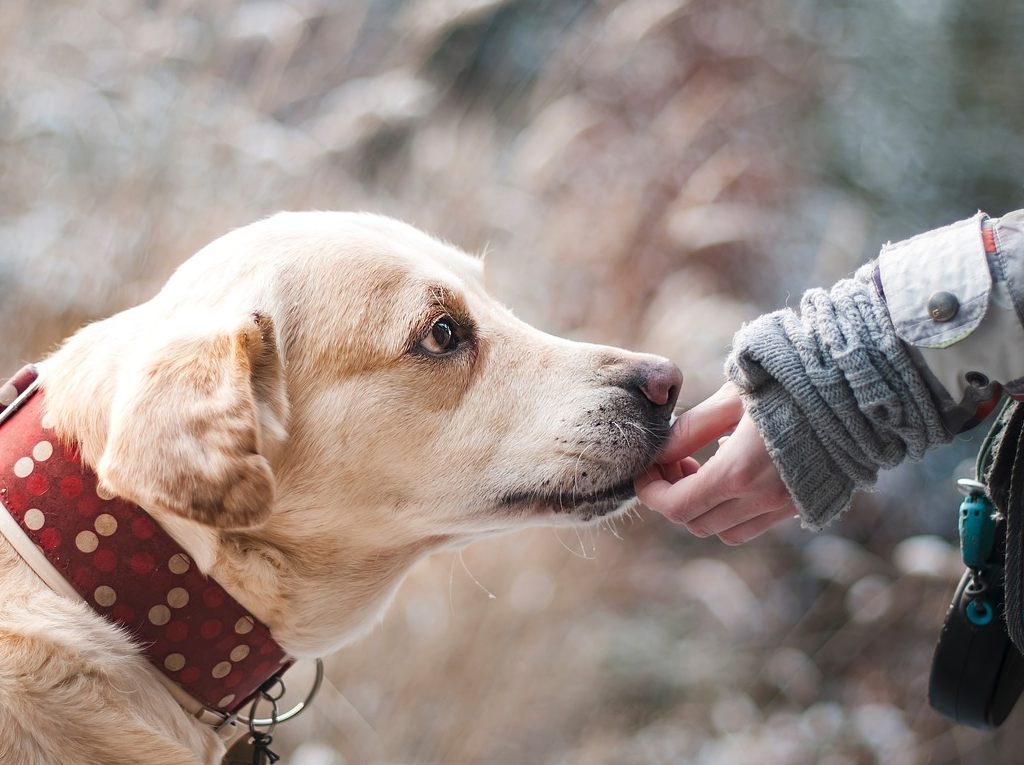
310 405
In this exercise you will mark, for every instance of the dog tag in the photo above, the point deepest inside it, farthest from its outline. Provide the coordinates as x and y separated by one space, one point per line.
247 752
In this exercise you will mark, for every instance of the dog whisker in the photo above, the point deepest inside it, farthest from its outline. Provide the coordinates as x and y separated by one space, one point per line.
576 473
579 539
476 581
643 430
451 588
566 547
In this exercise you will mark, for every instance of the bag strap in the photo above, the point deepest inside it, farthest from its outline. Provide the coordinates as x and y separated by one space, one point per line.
1003 465
977 671
987 452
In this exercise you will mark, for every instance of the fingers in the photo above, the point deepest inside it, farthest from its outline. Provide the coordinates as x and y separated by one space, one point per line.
673 471
735 512
737 494
755 527
704 423
669 473
687 498
730 513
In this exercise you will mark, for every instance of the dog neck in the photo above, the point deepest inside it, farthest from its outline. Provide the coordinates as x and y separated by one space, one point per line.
326 593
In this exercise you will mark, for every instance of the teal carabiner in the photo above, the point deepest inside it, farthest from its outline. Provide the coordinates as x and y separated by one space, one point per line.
977 530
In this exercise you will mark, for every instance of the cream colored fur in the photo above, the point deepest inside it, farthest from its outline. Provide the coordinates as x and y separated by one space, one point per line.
274 409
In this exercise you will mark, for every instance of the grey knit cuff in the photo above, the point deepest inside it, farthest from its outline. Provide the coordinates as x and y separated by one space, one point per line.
835 395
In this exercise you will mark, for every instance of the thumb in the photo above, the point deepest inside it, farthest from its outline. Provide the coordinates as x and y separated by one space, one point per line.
703 424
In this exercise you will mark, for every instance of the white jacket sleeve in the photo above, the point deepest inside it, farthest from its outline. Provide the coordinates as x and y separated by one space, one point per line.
956 299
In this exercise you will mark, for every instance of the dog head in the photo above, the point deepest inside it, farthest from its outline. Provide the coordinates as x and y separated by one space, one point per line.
340 392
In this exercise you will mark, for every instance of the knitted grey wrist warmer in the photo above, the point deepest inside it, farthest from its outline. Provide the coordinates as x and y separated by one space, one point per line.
835 395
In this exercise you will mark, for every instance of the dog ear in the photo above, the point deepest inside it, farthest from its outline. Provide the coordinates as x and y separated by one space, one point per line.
192 425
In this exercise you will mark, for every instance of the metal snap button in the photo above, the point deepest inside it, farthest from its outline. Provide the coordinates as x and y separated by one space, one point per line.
943 306
977 379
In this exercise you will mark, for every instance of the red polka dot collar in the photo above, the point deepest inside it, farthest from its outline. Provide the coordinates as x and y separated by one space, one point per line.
125 565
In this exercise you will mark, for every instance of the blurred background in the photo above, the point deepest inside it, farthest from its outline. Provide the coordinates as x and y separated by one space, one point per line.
648 173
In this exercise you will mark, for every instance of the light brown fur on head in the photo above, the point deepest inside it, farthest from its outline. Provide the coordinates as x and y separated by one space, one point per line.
284 409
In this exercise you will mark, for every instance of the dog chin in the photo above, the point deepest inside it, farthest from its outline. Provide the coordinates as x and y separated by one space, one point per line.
592 515
573 508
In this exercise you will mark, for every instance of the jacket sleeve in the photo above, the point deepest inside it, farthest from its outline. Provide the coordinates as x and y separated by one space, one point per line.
916 347
956 297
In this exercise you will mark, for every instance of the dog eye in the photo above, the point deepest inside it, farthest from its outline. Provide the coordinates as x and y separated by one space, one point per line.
442 337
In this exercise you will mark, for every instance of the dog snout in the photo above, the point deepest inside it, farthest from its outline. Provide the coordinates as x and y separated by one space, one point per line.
659 382
655 382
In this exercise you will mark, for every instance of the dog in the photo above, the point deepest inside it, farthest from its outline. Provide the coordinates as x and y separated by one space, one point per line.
311 404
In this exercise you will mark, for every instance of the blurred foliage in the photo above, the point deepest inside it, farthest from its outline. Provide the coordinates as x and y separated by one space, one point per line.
648 173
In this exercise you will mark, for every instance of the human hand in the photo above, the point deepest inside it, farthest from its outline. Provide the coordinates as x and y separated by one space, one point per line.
737 494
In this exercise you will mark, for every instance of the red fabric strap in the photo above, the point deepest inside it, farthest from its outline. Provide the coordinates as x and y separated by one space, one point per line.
988 237
127 567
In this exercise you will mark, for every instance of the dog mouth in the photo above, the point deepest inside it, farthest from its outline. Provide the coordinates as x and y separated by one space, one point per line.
598 487
584 505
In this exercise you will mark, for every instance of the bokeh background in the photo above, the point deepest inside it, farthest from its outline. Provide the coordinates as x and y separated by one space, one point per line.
648 173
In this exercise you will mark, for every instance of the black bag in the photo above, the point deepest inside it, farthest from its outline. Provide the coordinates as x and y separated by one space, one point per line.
977 671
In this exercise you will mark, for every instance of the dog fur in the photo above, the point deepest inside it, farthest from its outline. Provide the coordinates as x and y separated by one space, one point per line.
280 407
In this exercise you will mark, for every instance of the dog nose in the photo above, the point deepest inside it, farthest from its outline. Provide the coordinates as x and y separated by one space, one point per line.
660 382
